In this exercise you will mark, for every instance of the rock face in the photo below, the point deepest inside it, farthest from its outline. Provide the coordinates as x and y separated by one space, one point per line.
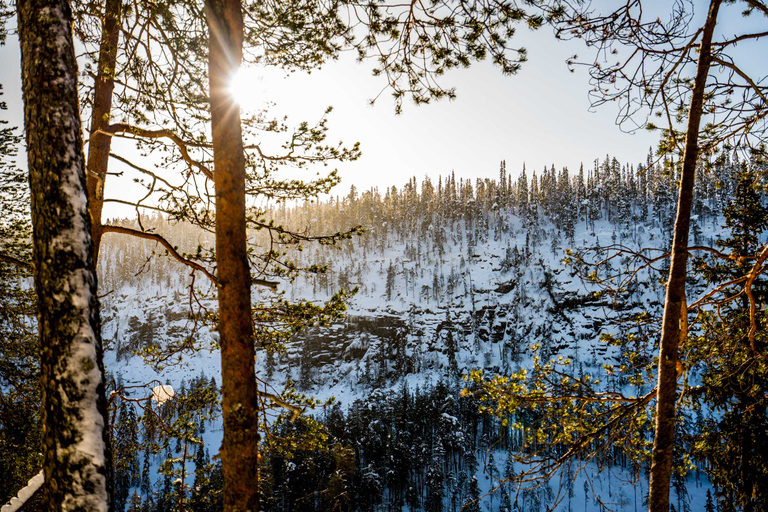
492 314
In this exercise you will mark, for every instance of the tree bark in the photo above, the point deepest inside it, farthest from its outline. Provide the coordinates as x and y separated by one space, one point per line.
664 439
100 143
239 450
74 407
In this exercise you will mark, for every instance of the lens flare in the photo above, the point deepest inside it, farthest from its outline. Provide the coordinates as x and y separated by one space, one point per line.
244 88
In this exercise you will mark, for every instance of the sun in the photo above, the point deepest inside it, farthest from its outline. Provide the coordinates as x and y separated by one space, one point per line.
244 87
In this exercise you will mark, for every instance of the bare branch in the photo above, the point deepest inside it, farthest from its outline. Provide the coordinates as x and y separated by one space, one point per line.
109 228
120 128
26 265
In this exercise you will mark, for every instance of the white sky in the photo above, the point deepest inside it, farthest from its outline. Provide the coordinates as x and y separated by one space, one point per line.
541 116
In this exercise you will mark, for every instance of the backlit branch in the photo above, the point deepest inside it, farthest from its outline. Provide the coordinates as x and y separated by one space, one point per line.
124 128
109 228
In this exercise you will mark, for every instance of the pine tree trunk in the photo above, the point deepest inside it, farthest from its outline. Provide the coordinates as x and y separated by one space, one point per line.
99 143
74 406
664 439
239 450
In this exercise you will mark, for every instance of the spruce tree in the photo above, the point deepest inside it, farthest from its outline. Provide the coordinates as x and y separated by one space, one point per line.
735 376
746 217
125 454
709 506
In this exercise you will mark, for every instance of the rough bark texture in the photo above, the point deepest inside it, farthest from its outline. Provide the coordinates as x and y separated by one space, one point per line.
239 450
99 144
664 439
74 405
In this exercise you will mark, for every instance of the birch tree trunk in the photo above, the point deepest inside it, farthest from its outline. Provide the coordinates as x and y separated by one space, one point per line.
240 447
664 439
76 465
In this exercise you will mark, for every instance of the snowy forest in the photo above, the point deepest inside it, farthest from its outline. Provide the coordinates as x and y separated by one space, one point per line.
451 278
246 335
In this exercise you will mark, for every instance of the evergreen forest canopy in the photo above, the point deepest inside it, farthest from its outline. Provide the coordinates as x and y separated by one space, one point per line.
160 79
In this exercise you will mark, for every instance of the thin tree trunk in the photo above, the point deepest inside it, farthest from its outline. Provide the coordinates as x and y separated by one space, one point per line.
239 450
182 498
664 439
100 143
74 407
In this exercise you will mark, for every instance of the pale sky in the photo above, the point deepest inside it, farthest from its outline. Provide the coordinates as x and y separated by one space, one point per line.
541 116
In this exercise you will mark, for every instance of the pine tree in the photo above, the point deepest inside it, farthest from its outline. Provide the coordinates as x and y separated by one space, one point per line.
145 484
505 505
642 178
502 193
435 480
135 504
390 283
522 193
74 405
20 431
204 495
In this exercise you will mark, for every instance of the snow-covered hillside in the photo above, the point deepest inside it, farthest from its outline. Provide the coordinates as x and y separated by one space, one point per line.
450 278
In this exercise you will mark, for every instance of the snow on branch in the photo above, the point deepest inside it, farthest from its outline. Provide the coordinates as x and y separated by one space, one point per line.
17 502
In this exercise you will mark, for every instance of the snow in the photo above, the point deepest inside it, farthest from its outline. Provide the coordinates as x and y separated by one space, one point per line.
20 499
90 446
162 394
487 298
80 365
91 423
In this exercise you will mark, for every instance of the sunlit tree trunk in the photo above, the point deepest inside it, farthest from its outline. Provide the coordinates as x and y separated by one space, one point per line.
74 406
239 450
664 439
100 143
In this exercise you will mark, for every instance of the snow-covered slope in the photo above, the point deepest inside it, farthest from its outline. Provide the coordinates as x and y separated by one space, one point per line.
450 279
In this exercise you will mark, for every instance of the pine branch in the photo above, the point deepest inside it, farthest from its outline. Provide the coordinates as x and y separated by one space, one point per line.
109 228
121 128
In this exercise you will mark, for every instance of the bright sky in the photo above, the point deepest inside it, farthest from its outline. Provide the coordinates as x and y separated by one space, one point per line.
541 116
